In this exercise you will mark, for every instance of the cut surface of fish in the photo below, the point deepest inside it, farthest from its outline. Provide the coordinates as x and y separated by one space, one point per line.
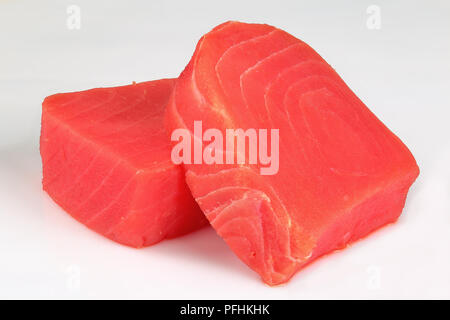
342 173
106 161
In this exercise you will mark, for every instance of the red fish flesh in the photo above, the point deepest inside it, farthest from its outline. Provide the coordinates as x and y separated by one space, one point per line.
106 161
342 173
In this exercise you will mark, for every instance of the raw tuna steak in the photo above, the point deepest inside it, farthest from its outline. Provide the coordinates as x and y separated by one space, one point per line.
342 173
106 161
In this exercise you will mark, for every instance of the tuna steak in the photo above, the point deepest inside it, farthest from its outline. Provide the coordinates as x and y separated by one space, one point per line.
342 172
106 161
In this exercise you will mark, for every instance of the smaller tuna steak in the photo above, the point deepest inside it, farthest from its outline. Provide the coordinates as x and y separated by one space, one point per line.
106 161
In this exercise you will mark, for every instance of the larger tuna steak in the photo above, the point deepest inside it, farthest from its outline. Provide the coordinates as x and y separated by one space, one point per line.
106 161
342 173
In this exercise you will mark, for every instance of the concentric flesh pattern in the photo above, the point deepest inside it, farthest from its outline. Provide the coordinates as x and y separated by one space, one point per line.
342 172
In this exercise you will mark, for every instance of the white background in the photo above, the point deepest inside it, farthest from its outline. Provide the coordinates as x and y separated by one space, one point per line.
400 71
